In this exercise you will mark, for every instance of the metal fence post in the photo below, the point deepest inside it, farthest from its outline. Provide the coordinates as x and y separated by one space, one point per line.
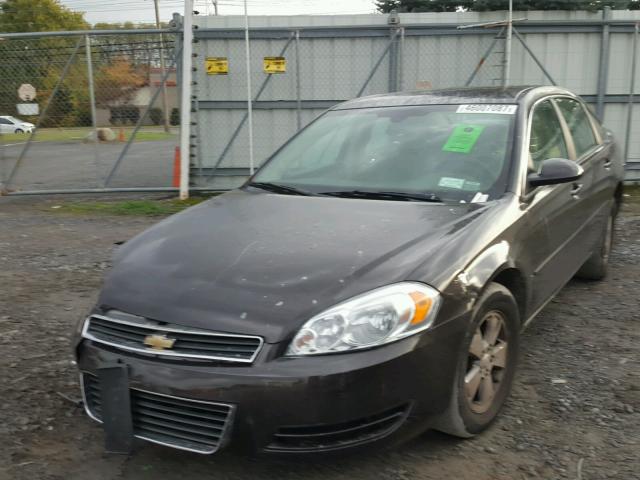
92 101
177 22
604 63
401 60
2 165
298 87
185 98
394 21
165 101
632 87
506 72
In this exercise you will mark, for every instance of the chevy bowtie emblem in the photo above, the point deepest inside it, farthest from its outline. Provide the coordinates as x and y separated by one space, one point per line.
159 342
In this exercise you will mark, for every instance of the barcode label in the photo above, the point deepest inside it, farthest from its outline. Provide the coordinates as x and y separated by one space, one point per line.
488 108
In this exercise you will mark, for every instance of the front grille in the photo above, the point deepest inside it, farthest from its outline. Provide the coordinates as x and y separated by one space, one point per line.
331 437
129 332
182 423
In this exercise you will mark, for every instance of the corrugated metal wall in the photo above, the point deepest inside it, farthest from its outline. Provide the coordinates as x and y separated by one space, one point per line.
334 57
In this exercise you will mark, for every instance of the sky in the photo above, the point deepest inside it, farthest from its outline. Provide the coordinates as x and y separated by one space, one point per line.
142 11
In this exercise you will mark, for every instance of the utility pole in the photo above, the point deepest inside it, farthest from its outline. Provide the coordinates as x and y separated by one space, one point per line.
165 101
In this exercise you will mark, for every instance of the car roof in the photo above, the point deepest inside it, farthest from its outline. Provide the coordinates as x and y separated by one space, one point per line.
455 96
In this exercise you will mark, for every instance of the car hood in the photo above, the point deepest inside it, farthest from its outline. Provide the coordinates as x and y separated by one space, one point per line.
262 264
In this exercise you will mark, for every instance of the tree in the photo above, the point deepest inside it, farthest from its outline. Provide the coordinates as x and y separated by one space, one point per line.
38 16
39 61
117 82
385 6
175 116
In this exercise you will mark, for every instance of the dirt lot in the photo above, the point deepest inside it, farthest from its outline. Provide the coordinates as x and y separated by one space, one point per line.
574 412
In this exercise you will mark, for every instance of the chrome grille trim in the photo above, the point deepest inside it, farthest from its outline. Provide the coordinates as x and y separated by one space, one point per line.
151 328
224 433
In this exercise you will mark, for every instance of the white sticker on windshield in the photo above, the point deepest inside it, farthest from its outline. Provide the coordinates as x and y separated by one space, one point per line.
487 108
480 198
449 182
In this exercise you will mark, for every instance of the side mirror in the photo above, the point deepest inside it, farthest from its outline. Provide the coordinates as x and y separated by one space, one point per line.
554 171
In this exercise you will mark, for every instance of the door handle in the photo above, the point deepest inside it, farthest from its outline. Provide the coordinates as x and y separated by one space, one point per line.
577 187
607 163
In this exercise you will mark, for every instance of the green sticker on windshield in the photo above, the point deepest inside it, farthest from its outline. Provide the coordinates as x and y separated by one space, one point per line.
463 138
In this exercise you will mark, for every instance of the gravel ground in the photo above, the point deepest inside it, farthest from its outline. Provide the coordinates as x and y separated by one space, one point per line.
574 412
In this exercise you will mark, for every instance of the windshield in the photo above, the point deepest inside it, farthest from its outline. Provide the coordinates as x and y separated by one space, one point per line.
451 152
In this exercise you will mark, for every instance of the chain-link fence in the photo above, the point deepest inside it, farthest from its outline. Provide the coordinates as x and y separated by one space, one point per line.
88 111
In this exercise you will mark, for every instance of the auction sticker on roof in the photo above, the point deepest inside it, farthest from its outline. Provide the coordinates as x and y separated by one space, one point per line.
487 108
463 138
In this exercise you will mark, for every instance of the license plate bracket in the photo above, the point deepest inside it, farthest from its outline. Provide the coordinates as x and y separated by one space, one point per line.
115 401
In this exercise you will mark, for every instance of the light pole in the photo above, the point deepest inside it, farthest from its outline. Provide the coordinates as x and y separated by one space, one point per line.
165 101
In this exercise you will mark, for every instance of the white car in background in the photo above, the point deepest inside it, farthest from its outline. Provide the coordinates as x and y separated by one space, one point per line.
10 124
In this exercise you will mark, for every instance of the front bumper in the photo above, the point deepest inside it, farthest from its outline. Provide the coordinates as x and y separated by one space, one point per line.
303 404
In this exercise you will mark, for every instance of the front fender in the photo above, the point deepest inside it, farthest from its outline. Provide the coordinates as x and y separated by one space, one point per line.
464 290
486 266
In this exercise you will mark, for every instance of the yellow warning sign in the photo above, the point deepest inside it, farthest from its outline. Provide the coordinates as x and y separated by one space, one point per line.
275 65
217 65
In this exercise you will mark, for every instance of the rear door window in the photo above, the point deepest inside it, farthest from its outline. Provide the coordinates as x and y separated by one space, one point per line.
547 140
579 125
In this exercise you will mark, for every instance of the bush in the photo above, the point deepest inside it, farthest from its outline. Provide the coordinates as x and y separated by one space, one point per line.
155 115
175 116
83 117
124 115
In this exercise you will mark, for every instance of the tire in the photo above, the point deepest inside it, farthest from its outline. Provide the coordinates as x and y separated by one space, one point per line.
468 415
596 266
19 130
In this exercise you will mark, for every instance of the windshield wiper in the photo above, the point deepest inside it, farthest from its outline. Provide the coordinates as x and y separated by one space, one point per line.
279 188
382 195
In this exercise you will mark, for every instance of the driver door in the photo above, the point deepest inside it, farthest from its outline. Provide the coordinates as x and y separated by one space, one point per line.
556 209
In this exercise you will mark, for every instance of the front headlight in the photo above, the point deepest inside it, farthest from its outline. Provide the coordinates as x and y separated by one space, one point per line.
381 316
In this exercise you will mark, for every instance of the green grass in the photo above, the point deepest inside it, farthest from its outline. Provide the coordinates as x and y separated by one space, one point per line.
79 134
143 208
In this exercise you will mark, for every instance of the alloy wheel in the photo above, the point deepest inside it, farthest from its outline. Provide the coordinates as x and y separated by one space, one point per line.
487 362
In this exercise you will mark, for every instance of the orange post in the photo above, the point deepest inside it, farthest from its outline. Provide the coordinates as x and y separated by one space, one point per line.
176 168
121 137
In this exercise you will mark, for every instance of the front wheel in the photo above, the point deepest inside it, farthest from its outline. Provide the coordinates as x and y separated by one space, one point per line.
19 130
486 365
